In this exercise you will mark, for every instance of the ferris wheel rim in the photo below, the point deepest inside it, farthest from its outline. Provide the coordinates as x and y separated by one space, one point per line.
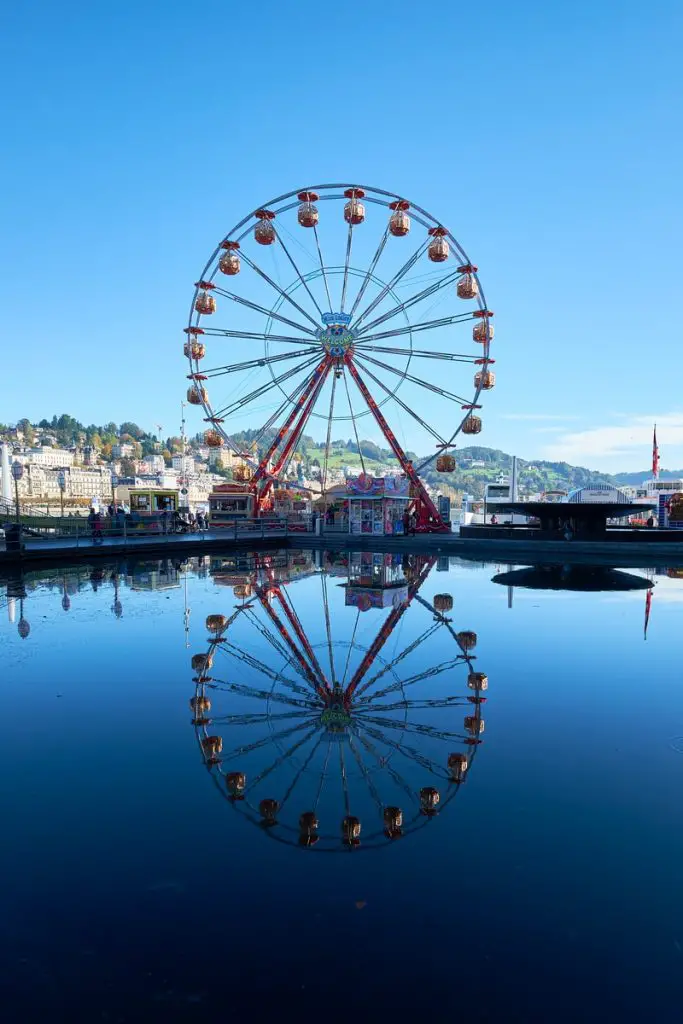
315 732
381 197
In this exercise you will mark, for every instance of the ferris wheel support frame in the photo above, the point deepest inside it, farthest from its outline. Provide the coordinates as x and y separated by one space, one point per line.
387 629
428 516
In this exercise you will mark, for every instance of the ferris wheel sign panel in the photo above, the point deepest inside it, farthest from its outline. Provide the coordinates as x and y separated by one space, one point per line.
316 313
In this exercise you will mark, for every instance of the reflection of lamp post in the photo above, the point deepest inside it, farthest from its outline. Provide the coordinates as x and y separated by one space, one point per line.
17 473
23 628
117 607
61 480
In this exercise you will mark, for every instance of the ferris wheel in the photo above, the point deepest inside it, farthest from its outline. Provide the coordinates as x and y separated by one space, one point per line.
328 308
338 742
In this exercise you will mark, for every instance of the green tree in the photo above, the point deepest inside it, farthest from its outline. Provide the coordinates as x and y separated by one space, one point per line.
128 427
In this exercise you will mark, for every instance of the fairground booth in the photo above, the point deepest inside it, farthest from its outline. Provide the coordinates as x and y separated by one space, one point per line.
377 504
376 580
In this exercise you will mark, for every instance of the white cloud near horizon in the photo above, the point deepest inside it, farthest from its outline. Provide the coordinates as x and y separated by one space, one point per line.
626 446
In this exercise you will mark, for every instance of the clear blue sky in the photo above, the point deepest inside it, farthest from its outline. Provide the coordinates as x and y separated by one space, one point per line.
549 134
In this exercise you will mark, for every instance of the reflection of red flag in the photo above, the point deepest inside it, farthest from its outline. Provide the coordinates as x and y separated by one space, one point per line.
655 454
648 605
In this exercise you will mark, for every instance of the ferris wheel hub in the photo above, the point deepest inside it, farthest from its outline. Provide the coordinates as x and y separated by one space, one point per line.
336 336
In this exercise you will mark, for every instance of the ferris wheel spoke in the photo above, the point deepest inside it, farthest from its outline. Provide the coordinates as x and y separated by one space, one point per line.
284 339
328 628
348 654
264 695
302 769
371 270
251 364
417 353
295 622
265 312
322 266
414 380
302 279
411 301
282 651
254 719
278 289
272 737
330 420
385 764
388 288
323 776
426 325
283 757
345 781
302 407
265 388
414 729
435 434
289 400
355 425
367 777
391 665
416 705
259 666
311 669
411 753
419 678
347 260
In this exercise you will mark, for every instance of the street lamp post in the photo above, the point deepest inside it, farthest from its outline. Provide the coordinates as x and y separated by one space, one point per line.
61 480
17 473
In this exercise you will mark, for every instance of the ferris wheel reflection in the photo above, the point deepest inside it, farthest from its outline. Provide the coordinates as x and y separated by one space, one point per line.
337 715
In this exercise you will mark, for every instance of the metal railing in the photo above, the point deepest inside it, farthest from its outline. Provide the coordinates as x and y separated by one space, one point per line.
77 532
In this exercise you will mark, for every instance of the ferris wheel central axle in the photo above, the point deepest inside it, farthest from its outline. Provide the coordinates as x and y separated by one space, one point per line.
336 336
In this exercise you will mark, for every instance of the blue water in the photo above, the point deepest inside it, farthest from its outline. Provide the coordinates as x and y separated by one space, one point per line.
141 883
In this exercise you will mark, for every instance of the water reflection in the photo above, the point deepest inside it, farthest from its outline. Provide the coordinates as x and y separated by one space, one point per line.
327 741
587 578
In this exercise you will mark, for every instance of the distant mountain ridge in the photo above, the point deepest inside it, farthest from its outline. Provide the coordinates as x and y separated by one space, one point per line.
635 479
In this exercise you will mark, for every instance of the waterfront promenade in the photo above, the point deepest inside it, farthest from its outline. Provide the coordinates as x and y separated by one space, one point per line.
628 550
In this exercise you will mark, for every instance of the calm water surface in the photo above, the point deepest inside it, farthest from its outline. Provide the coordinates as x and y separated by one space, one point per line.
343 786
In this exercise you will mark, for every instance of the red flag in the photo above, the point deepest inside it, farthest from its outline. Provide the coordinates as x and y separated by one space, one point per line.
655 454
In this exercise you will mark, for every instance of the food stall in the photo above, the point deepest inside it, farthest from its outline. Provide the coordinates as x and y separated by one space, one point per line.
147 505
377 504
230 502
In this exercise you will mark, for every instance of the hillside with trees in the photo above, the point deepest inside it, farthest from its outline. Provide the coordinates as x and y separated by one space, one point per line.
476 466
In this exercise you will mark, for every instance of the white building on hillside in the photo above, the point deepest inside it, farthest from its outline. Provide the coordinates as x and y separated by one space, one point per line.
47 457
